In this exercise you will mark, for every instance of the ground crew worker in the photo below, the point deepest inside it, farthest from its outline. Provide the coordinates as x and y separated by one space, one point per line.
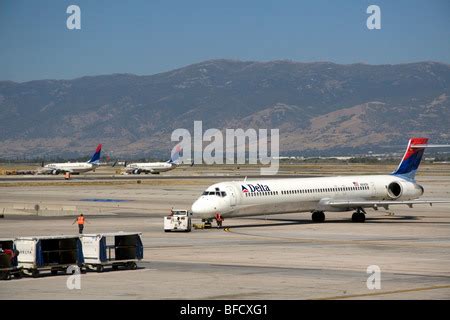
10 253
80 220
219 220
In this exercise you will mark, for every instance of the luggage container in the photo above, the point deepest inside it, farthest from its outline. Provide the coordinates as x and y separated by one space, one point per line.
118 249
8 260
53 253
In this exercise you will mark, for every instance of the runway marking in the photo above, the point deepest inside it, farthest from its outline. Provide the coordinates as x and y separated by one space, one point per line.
384 293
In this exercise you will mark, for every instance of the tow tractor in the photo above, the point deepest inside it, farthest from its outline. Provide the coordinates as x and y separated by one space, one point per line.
178 220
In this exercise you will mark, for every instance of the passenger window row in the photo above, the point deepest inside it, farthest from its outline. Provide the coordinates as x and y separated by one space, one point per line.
323 190
262 193
300 191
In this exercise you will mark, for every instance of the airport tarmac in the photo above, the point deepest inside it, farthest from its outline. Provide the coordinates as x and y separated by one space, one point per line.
273 257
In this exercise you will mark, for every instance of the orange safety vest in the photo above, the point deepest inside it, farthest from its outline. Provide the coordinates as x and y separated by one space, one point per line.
80 220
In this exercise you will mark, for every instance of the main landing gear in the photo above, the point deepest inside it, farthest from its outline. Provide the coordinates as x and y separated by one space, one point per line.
359 215
318 216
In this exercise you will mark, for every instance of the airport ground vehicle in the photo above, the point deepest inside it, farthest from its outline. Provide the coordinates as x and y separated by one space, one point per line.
178 220
8 260
118 249
53 253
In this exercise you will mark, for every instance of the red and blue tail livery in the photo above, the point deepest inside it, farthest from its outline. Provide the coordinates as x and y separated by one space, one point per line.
95 159
175 154
411 160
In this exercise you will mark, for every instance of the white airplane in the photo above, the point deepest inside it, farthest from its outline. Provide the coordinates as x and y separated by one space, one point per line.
73 167
318 195
155 167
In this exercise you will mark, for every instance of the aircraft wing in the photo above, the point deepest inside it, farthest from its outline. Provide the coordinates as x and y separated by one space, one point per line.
379 203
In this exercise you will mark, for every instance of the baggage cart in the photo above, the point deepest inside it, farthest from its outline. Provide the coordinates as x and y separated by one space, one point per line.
48 253
120 249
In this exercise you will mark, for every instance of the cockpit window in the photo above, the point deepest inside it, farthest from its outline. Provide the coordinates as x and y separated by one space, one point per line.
215 193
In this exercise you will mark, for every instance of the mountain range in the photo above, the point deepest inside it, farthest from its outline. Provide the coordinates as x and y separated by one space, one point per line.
320 107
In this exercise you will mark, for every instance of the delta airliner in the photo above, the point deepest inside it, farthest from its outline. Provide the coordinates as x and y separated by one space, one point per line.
155 167
73 167
318 195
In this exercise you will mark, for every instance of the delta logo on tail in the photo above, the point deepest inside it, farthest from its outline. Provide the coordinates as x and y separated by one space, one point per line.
255 188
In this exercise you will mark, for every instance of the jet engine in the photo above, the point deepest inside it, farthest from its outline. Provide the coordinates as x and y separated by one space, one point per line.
404 190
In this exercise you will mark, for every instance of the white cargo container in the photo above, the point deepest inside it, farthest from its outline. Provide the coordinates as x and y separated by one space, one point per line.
54 253
112 249
179 220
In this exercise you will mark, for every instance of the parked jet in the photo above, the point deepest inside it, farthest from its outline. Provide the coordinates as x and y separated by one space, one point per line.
73 167
155 167
318 195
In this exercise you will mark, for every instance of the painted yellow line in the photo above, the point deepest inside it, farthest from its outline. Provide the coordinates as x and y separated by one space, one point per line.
384 293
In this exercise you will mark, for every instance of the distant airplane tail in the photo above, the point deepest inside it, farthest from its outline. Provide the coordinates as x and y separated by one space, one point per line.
176 153
412 157
95 159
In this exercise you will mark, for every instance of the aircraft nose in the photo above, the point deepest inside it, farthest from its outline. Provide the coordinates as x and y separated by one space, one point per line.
201 208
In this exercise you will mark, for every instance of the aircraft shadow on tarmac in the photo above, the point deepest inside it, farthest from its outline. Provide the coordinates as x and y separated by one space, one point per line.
285 222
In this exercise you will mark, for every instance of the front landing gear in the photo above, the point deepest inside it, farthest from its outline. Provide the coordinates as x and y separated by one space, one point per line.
359 215
207 223
318 216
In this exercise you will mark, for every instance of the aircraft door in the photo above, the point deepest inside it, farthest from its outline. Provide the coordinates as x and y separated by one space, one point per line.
232 193
374 190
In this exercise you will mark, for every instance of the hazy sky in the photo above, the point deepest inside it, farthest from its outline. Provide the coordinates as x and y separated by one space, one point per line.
147 37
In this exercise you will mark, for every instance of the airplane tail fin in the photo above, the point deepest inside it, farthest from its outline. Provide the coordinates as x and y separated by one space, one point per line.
95 159
175 156
412 157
